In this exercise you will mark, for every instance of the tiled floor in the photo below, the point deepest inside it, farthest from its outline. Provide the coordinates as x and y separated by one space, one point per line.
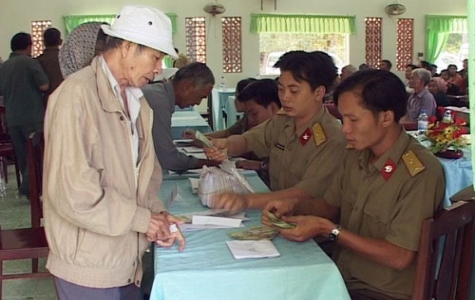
15 213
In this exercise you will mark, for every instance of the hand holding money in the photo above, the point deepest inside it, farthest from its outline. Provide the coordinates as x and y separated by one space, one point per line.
273 220
215 149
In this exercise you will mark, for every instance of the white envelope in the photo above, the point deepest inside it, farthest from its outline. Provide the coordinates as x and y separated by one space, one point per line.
208 220
252 249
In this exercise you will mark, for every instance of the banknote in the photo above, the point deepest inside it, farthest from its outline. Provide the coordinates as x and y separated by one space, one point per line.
278 222
254 233
204 139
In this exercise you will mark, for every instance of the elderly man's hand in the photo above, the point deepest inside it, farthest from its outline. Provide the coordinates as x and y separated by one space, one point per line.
306 228
176 236
234 203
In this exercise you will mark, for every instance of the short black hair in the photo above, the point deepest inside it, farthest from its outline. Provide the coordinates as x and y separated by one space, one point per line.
379 90
196 71
52 37
412 66
243 83
20 41
264 92
390 64
426 65
452 65
317 67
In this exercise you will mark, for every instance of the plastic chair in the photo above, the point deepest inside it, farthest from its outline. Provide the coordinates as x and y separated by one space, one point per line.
445 255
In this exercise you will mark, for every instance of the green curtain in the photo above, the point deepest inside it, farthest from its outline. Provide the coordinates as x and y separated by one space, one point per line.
261 23
438 30
72 22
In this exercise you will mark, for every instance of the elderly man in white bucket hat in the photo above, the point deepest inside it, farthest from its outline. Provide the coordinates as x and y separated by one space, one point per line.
101 175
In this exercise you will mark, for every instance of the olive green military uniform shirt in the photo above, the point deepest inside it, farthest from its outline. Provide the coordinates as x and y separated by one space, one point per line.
386 200
307 158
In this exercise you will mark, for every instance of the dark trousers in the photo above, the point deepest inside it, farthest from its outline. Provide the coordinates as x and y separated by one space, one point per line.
70 291
19 135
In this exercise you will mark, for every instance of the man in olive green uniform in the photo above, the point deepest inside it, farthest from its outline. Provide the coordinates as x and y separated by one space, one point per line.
304 142
387 185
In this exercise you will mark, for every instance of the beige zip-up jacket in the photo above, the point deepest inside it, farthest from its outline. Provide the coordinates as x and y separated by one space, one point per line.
95 215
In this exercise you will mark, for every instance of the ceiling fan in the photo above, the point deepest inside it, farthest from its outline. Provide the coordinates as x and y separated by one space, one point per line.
395 9
214 8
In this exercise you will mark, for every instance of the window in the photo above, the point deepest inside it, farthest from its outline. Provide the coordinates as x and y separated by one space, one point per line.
232 50
37 29
281 33
447 40
373 28
455 51
196 38
405 41
273 45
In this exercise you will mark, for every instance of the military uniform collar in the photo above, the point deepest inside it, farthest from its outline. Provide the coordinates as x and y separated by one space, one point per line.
394 154
316 118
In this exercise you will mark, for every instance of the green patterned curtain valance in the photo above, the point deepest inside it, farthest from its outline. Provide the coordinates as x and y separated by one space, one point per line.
452 24
72 22
261 23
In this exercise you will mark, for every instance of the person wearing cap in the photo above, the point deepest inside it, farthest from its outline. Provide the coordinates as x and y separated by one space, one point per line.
188 87
303 141
101 176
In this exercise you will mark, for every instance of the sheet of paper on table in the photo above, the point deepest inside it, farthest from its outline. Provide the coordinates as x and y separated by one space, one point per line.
252 249
194 182
208 219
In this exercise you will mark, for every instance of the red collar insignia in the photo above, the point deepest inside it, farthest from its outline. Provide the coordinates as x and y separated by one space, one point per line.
388 169
305 137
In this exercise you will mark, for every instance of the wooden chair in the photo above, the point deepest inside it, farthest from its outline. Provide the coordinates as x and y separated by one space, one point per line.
446 239
35 149
6 148
28 243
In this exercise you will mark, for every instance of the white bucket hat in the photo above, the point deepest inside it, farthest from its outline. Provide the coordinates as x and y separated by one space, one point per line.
143 25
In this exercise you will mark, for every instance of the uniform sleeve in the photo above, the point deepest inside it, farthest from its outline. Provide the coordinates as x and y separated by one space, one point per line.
39 75
79 197
168 155
420 197
320 170
333 195
259 138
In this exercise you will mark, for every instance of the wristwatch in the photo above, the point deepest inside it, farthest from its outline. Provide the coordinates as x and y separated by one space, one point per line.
335 233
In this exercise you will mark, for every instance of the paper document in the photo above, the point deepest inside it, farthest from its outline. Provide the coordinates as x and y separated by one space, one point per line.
252 249
193 149
220 221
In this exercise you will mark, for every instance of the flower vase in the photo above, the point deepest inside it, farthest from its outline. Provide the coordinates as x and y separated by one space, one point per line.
450 154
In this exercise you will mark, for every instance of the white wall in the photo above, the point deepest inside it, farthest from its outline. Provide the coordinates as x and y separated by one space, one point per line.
16 15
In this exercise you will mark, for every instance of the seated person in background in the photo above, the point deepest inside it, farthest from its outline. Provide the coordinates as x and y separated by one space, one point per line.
452 89
421 99
386 65
438 88
188 87
407 74
386 186
240 126
346 71
363 66
304 142
455 78
425 65
260 100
